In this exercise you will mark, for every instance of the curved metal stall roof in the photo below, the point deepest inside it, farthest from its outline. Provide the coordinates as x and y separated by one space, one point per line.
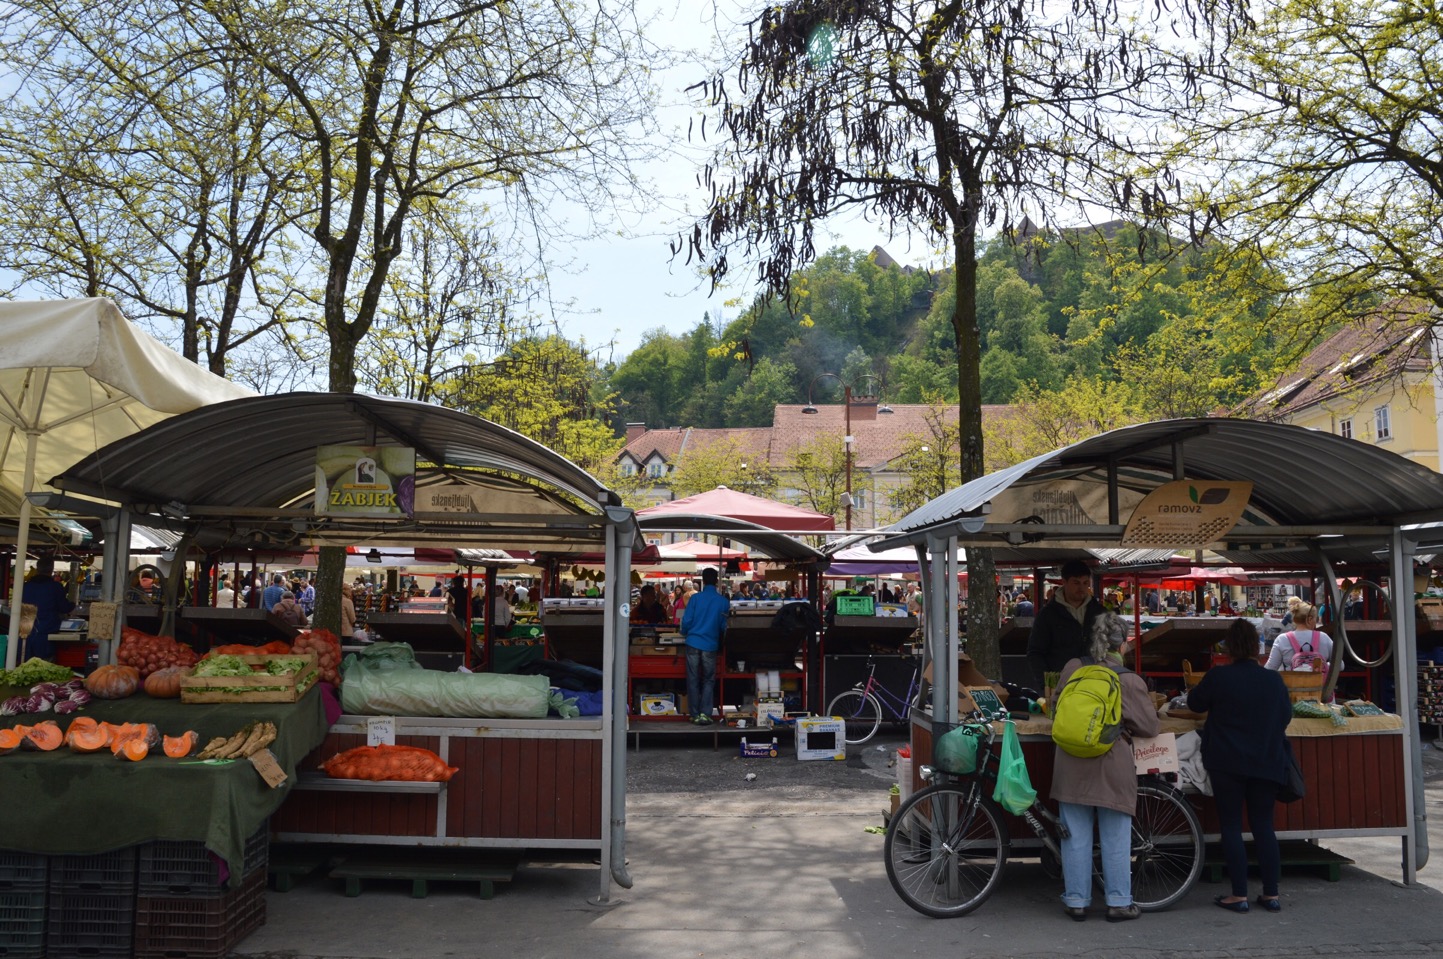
762 541
245 470
1307 486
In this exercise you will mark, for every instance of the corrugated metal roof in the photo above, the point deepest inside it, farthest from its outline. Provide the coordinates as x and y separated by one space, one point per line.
259 454
1301 478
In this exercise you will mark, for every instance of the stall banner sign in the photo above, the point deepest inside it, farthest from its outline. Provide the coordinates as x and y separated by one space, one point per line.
104 621
373 481
1069 502
1187 514
449 498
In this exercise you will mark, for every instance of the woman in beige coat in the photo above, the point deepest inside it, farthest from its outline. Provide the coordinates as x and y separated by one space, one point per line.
1103 788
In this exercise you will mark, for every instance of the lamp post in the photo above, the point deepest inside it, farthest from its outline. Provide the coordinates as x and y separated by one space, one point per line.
882 408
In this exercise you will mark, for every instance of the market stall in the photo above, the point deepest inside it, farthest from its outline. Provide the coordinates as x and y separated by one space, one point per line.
1209 484
247 473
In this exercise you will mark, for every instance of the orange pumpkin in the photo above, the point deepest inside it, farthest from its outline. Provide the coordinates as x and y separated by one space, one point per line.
165 683
113 682
178 747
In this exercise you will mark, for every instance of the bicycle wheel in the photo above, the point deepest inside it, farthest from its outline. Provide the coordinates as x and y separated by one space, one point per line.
945 849
861 712
1167 847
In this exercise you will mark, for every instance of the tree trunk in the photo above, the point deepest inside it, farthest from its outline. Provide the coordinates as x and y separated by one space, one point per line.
982 641
330 574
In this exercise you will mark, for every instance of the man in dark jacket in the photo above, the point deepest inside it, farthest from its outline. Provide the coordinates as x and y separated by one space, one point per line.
1060 631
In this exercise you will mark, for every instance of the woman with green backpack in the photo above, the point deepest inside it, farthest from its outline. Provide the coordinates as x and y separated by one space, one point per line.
1091 780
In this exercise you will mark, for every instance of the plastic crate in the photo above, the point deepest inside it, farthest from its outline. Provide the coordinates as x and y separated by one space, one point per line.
187 869
23 871
108 872
82 924
22 923
186 927
856 606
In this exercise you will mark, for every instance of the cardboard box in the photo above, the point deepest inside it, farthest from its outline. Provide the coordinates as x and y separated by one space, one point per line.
821 738
656 704
1156 755
759 750
1430 608
969 675
769 712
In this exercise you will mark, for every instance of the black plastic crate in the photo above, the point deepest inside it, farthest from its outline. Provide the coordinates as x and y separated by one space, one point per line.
182 868
22 923
109 872
187 927
22 871
82 924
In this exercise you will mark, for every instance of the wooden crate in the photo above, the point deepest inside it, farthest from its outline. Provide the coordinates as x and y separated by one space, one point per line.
265 688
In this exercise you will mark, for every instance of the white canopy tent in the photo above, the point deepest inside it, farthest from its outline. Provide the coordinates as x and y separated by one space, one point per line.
76 375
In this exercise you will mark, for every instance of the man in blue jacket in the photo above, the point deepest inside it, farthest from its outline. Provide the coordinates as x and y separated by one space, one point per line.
702 626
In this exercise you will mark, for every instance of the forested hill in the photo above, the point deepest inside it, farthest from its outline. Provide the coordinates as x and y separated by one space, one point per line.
1093 320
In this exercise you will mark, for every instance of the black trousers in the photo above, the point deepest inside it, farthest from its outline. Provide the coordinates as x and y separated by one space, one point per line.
1233 793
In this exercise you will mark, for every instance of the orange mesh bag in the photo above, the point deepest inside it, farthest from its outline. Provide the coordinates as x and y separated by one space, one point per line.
389 764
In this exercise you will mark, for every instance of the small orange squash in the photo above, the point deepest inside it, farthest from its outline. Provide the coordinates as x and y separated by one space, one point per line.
10 740
135 749
165 683
87 739
178 747
113 682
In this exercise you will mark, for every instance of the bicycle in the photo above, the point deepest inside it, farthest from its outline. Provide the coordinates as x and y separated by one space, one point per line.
946 845
861 706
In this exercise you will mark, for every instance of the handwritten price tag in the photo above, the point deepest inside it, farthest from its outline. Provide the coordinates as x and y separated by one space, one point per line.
270 770
380 730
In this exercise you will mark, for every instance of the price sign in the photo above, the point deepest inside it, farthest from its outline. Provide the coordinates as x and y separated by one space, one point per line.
270 770
380 730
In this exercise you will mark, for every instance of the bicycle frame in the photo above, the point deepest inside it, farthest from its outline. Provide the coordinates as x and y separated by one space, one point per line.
888 699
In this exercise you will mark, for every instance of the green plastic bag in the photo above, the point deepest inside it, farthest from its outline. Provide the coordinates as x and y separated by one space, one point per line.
956 751
1014 787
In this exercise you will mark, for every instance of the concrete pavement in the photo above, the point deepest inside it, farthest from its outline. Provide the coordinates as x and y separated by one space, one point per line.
757 871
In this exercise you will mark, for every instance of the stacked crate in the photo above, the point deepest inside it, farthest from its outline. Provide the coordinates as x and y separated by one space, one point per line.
91 905
23 879
1430 693
183 910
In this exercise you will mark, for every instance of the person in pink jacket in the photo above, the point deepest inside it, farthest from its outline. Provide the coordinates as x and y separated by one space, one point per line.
1103 788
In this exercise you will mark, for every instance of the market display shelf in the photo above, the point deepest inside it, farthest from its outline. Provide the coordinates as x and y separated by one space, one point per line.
320 782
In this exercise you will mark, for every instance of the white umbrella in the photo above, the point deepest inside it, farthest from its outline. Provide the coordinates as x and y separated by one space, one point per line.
75 375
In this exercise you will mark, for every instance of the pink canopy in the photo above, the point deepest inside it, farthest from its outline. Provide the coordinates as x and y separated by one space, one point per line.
735 504
702 551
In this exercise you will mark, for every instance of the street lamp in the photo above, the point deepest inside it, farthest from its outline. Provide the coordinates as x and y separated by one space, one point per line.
882 408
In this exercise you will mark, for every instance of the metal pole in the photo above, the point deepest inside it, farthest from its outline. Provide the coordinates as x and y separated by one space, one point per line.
847 453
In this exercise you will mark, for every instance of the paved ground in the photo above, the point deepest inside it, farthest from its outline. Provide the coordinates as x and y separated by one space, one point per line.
781 866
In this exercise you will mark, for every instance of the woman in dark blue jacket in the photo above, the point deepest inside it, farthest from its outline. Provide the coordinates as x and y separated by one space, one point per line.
1243 749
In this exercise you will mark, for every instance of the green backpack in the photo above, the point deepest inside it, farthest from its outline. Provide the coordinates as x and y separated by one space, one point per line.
1087 716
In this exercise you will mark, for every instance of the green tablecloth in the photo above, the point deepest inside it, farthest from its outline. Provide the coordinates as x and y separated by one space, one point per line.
65 802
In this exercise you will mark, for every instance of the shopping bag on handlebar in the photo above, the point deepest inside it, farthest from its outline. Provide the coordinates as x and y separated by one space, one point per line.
956 751
1014 787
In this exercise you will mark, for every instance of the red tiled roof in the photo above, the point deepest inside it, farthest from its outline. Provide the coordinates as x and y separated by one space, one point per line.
878 441
1392 342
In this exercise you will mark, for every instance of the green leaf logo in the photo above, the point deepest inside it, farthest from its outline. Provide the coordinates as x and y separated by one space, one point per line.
1192 493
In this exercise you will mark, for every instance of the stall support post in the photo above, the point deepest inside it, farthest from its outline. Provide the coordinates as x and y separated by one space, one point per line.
816 698
940 616
1405 666
620 528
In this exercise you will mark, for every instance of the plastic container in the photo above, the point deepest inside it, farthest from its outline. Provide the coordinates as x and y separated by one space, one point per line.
189 870
83 923
23 871
22 923
187 927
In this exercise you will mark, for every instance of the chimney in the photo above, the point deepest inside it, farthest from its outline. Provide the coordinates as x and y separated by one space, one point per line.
633 430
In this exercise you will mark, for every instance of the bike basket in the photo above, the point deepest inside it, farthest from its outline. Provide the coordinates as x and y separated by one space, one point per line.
954 751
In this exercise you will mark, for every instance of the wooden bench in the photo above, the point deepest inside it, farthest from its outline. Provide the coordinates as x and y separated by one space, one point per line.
422 871
1296 852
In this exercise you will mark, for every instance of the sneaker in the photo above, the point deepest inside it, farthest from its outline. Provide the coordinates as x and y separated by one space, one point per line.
1075 913
1123 913
703 720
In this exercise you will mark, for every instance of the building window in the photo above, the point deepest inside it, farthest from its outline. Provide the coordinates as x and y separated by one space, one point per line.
1345 428
628 468
1382 425
656 470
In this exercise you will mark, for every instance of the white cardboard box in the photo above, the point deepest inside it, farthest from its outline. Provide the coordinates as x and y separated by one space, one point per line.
769 712
1156 755
657 704
821 737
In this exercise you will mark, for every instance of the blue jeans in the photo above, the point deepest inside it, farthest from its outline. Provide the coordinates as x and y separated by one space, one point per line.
700 680
1115 830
